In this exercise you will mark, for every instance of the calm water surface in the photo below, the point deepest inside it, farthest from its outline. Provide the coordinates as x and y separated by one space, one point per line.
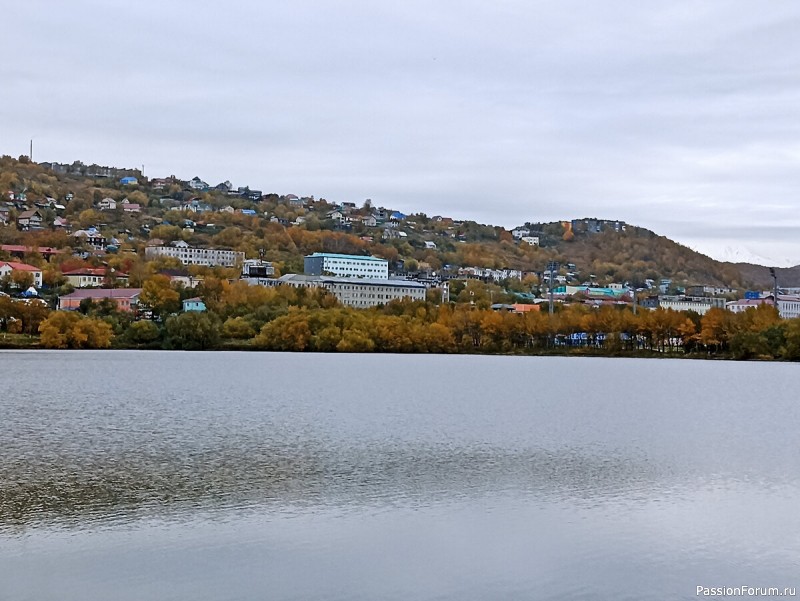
211 476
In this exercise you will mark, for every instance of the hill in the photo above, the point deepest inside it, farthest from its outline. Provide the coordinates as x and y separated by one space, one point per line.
282 228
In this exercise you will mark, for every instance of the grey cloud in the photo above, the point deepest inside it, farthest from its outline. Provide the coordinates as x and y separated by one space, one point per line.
657 113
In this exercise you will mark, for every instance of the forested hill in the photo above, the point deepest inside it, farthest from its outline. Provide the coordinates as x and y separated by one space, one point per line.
281 227
636 251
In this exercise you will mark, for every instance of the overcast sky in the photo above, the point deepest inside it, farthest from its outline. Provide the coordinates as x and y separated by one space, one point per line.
680 116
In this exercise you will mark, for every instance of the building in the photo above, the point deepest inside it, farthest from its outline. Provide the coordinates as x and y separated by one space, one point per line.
256 268
194 304
30 219
19 250
181 277
91 237
92 277
359 292
742 305
128 181
126 299
9 267
197 184
107 204
189 255
698 304
703 290
789 306
346 266
530 240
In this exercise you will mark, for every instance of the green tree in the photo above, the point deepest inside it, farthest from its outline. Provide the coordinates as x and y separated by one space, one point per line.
193 331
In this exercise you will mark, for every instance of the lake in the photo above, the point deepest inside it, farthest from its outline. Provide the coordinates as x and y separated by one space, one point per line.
247 476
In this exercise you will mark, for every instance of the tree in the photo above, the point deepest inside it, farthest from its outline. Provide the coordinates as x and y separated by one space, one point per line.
193 331
160 296
143 333
65 329
238 328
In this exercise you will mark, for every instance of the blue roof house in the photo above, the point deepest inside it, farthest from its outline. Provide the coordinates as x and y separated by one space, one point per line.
194 304
126 181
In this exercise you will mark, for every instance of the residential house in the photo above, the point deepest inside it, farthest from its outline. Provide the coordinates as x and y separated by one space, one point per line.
30 219
5 215
9 267
393 234
91 237
531 240
369 221
127 299
520 232
194 304
197 184
430 244
293 201
60 223
19 250
182 277
336 215
129 181
91 277
107 204
228 209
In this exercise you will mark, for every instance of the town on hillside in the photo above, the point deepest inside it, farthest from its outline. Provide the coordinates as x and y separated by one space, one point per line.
93 240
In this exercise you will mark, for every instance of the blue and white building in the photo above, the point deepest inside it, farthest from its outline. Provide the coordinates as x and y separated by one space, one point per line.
353 266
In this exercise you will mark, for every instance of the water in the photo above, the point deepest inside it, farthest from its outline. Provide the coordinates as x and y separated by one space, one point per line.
209 476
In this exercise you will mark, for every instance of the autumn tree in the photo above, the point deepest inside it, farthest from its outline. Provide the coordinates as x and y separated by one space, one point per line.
158 295
65 329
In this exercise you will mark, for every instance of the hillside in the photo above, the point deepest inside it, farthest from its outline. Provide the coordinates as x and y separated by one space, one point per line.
282 228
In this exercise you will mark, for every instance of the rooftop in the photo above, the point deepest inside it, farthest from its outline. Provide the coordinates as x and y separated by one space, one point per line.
19 266
340 256
104 293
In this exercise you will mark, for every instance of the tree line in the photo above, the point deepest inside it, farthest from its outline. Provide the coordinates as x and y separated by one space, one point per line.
297 319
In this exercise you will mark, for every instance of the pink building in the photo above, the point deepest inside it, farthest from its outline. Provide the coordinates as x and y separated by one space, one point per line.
126 298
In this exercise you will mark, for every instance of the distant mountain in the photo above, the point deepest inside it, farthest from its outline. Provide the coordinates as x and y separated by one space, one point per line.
742 254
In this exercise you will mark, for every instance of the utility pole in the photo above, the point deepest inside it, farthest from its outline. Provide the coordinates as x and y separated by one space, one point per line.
30 155
774 275
551 267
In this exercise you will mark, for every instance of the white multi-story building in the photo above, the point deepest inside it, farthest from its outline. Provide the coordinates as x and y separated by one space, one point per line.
742 305
348 266
698 304
359 292
189 255
789 306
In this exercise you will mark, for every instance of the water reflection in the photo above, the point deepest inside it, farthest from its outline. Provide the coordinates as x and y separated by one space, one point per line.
77 490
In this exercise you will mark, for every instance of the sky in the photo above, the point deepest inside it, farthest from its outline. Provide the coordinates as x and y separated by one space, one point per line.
682 117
